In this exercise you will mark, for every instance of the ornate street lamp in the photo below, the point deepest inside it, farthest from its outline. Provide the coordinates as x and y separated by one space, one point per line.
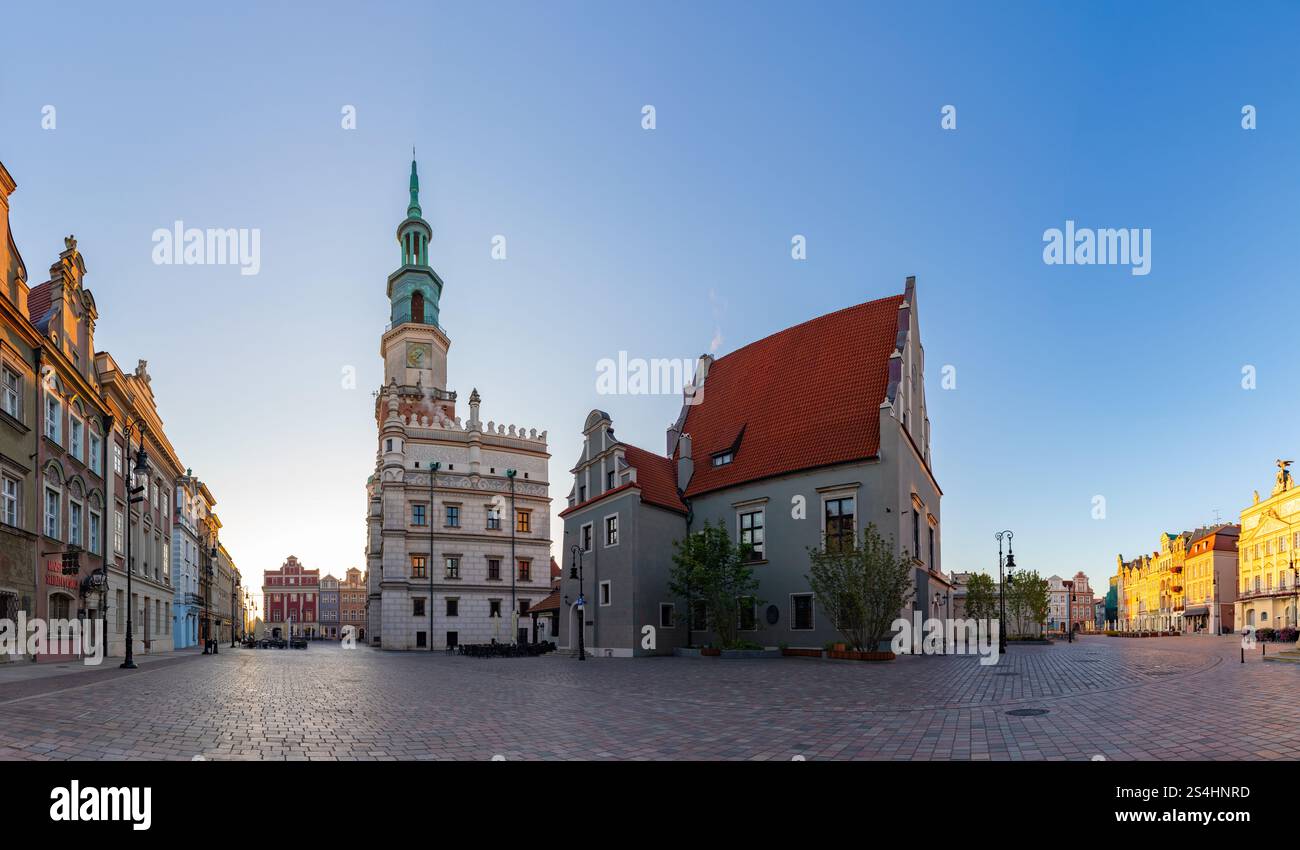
1069 616
137 493
1002 586
576 572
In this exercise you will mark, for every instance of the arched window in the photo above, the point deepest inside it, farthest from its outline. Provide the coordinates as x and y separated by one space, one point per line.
417 307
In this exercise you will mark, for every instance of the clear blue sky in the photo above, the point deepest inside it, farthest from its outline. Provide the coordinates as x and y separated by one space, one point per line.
773 120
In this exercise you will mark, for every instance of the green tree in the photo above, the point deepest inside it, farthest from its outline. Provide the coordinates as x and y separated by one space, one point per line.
1028 601
982 597
862 587
709 569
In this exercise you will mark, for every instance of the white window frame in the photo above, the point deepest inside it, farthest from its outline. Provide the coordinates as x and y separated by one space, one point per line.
13 393
606 594
76 437
11 503
95 445
54 418
761 510
75 530
54 518
604 527
590 541
95 529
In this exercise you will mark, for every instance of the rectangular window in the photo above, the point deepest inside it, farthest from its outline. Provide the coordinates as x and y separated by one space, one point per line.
611 530
52 513
494 607
723 459
609 480
419 565
586 538
803 613
96 459
417 607
606 593
74 437
418 515
523 521
53 419
493 518
524 605
666 615
751 533
839 524
494 569
453 516
9 505
421 640
120 617
74 524
453 567
117 531
13 395
453 606
525 571
916 534
117 459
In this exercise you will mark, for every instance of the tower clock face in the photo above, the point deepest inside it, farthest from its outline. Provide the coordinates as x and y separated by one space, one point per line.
417 356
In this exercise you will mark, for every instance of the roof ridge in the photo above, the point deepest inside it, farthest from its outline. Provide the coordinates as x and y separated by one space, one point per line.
825 316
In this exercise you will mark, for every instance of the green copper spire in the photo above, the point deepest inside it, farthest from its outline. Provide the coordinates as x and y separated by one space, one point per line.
414 209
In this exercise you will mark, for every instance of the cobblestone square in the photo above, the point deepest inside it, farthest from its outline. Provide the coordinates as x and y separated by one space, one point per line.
1155 698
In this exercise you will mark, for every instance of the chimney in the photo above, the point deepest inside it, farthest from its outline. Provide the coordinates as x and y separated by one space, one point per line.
672 438
685 463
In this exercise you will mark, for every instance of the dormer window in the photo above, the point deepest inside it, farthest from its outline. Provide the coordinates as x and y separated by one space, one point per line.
723 458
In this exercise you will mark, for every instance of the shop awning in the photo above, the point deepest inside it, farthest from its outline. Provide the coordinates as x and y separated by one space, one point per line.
1198 611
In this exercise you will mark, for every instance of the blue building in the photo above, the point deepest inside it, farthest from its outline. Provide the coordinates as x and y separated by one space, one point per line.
187 603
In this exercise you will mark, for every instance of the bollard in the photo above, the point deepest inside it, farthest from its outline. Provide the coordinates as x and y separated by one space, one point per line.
1243 655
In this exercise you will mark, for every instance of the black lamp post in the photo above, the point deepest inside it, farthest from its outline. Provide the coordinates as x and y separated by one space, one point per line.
582 611
1002 586
514 567
233 608
140 478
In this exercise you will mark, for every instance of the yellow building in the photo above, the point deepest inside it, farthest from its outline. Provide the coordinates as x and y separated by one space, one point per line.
1267 557
1151 587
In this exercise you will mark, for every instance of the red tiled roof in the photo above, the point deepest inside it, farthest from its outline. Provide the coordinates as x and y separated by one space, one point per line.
805 397
38 301
656 475
550 603
555 569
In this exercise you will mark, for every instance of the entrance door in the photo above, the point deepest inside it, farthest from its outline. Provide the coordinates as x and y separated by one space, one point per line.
523 635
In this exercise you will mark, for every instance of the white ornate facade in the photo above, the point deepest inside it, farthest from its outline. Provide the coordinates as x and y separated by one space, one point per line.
451 561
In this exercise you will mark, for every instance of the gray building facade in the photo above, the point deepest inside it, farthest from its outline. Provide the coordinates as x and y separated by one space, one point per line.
819 429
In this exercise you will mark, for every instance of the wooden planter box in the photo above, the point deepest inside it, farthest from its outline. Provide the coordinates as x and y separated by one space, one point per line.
802 653
850 655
